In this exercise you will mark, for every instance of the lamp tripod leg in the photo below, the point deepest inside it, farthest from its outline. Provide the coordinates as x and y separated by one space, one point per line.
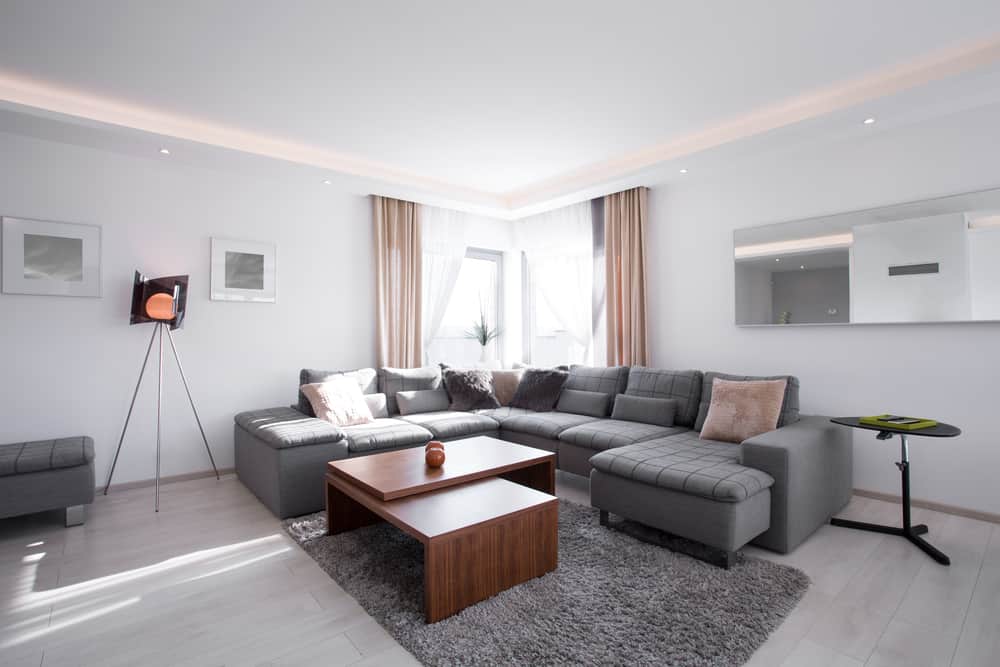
191 400
135 394
159 404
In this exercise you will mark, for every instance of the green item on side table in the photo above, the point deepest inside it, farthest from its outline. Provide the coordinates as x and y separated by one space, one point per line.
896 421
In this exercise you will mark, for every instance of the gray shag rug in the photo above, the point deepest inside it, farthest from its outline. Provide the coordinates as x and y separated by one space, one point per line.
614 599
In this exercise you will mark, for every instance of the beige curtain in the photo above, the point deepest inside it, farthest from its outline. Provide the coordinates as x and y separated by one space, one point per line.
625 261
397 282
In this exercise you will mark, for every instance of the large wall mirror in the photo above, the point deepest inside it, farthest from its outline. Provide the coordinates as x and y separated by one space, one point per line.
936 260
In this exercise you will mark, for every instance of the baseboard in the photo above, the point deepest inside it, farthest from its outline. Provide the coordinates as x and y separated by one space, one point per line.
931 505
142 483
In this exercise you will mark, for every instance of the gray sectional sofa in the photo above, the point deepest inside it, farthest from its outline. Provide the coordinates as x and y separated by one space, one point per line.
773 490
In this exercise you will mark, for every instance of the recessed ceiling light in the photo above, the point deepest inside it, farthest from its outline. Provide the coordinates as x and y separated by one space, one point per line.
869 121
777 259
684 171
326 182
803 266
164 151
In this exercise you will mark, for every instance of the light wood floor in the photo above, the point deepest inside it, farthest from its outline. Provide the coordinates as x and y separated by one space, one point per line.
212 580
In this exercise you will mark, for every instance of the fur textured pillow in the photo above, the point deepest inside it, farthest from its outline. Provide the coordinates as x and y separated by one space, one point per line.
339 401
470 389
539 389
741 410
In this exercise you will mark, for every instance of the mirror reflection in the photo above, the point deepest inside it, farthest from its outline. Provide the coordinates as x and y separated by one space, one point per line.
936 260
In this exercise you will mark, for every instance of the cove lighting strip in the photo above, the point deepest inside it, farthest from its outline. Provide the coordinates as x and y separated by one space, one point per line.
828 242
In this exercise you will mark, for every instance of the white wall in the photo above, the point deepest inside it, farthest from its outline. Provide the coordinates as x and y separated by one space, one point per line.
753 295
928 297
984 272
946 371
69 365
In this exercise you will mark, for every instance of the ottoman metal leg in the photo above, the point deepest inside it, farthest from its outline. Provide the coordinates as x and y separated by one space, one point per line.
76 515
604 517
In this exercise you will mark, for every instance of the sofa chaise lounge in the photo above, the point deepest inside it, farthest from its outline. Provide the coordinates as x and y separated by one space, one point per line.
773 490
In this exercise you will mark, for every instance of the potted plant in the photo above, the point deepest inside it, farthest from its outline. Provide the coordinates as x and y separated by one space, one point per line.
483 334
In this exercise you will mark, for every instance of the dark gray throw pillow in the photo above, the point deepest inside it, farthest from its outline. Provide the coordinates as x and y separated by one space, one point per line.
539 389
656 411
470 389
580 402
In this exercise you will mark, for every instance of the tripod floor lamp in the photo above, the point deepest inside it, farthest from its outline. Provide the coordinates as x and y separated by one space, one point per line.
161 301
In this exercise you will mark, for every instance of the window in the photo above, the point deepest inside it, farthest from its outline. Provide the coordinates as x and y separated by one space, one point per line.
547 341
477 293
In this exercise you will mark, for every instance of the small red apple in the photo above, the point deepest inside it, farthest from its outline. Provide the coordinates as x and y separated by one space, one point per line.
434 457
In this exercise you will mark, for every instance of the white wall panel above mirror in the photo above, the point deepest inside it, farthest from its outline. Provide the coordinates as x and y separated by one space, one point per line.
936 260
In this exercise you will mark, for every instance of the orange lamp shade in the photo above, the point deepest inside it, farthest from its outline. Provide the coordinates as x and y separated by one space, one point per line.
160 307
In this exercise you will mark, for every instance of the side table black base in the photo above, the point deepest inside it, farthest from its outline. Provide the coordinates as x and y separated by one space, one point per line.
913 535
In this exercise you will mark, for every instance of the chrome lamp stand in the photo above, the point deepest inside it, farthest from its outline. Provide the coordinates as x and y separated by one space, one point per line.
158 330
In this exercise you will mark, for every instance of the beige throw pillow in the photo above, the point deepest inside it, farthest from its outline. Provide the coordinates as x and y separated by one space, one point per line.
339 401
743 409
505 384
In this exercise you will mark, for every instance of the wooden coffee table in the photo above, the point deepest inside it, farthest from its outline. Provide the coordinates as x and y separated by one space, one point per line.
487 518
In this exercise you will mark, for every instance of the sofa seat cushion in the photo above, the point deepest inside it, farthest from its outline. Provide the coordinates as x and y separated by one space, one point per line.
384 434
545 424
287 427
503 414
608 433
448 424
684 462
41 455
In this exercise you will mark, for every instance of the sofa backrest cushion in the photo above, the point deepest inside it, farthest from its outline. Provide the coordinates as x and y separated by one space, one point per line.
579 402
378 406
539 389
610 380
365 378
505 384
422 400
685 386
392 380
789 407
656 411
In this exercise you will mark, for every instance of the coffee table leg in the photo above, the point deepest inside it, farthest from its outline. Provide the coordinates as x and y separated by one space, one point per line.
471 565
541 477
343 513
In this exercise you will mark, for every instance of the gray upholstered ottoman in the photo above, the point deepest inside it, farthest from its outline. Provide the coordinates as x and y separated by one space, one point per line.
47 475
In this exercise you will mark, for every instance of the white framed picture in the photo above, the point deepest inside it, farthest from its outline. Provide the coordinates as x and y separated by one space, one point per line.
243 271
51 258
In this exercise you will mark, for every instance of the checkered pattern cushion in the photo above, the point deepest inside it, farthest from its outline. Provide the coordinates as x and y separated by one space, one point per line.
503 414
609 433
384 434
545 424
685 386
611 380
449 424
287 427
24 457
684 462
789 405
391 380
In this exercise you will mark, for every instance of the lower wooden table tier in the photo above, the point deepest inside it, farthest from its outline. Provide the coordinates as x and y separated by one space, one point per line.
480 537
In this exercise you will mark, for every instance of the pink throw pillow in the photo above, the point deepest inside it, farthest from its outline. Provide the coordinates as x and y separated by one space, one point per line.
743 409
339 401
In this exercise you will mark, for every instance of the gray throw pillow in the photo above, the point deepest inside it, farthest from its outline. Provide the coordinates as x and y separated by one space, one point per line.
470 389
580 402
656 411
423 400
364 376
393 380
539 389
377 404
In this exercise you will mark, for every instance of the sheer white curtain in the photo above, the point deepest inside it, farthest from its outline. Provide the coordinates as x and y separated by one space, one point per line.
444 234
559 247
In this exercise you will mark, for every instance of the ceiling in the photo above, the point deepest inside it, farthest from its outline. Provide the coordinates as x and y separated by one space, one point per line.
505 106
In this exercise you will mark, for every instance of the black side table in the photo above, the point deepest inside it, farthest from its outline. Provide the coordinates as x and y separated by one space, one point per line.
910 532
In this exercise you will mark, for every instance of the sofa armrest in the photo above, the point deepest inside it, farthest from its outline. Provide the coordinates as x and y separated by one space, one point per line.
812 463
287 427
